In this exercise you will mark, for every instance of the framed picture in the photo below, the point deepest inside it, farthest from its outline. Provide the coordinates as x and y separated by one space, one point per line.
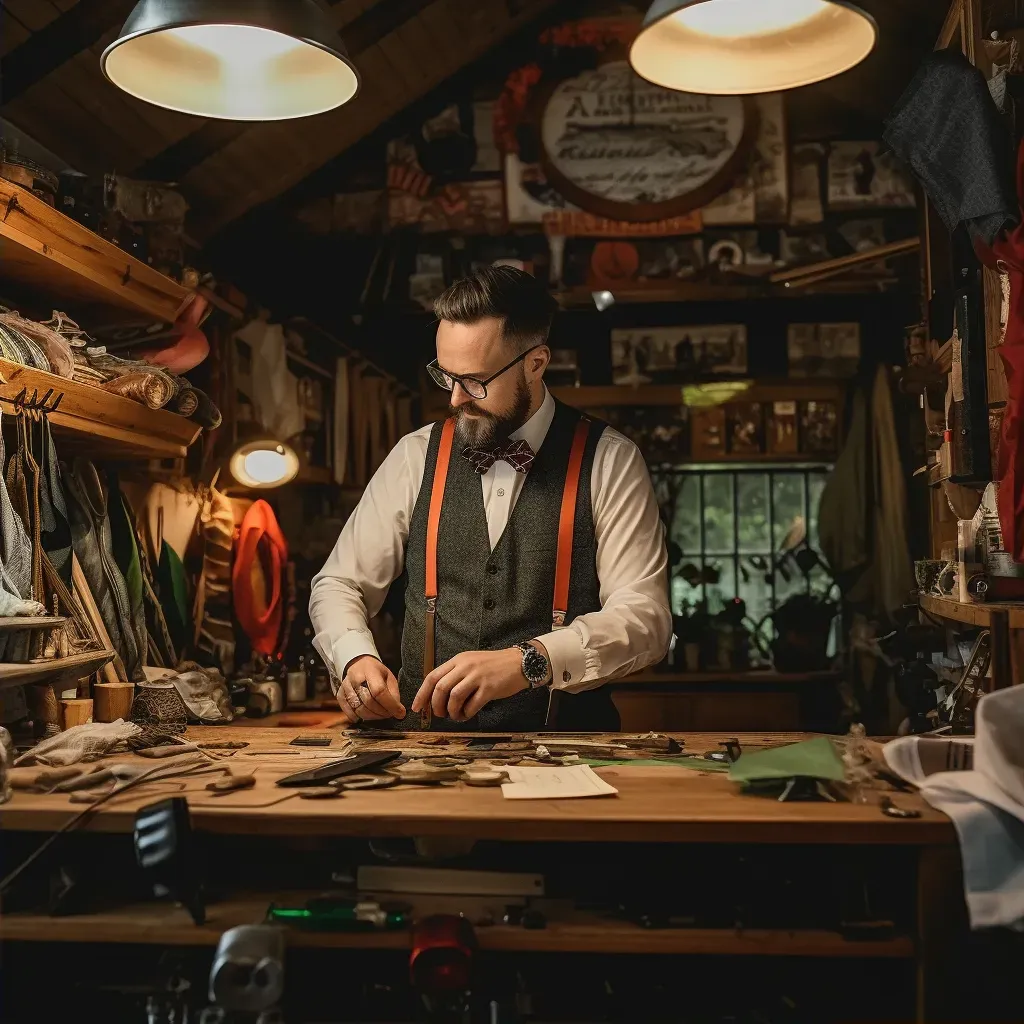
671 355
861 175
823 350
820 428
783 438
746 428
805 205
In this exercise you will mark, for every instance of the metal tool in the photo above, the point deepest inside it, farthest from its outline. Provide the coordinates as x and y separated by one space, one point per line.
366 782
892 811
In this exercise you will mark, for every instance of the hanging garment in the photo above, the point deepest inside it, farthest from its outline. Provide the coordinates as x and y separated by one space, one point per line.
893 569
55 529
339 437
843 530
275 394
187 346
93 545
862 519
165 512
258 577
125 548
947 128
15 546
172 590
214 635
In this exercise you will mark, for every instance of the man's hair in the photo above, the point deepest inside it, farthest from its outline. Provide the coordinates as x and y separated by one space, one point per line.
517 299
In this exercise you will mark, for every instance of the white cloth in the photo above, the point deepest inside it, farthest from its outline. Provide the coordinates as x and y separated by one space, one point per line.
275 388
80 743
633 627
986 806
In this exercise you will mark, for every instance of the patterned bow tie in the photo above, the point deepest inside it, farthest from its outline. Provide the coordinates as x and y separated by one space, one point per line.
518 454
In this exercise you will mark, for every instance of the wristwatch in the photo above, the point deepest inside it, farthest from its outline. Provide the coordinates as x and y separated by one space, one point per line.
535 665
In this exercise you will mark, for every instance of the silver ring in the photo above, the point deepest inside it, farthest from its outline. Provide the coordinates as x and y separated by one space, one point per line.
354 702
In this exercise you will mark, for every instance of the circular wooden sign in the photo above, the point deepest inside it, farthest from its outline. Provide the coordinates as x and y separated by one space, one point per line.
620 147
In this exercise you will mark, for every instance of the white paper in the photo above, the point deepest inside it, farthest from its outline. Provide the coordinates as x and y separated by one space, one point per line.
554 783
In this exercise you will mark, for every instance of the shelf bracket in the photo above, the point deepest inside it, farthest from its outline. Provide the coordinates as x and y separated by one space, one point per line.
12 204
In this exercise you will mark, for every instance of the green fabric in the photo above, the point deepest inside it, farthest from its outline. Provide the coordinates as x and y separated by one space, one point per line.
172 587
126 554
815 759
697 763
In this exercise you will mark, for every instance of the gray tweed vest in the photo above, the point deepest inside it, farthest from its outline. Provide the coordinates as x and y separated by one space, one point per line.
489 600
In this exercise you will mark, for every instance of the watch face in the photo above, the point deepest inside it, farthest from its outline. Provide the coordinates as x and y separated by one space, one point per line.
535 665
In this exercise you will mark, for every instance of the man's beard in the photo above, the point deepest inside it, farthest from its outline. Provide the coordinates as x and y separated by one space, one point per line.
488 429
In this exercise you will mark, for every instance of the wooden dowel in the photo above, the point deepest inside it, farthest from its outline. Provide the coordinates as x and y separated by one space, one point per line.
112 701
855 259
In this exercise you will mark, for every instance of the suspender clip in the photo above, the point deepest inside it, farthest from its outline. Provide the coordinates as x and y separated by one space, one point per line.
557 619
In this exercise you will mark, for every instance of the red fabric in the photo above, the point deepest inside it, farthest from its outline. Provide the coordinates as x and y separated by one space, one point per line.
261 548
190 345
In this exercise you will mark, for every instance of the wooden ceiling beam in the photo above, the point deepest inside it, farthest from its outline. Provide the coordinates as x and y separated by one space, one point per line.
364 31
56 43
283 153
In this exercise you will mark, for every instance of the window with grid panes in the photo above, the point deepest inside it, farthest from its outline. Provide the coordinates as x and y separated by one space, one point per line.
735 518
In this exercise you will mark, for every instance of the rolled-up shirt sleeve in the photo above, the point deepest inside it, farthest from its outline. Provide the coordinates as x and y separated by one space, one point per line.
367 559
633 629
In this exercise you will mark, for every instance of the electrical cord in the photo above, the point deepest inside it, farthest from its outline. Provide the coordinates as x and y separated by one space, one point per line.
151 774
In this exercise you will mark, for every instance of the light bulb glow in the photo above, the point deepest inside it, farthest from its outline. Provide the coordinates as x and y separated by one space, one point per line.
744 47
731 19
264 464
237 44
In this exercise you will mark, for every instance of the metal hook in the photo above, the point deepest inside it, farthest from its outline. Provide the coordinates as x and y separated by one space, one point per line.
12 204
20 400
45 399
56 402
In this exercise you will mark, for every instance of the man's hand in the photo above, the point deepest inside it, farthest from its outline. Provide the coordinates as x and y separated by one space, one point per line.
369 691
459 688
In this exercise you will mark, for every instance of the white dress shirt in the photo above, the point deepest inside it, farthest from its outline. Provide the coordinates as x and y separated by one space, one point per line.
633 627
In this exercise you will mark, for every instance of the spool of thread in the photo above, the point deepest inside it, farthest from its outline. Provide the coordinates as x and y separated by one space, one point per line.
112 701
76 712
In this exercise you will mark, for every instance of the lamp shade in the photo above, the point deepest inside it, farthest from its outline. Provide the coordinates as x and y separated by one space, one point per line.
739 47
241 60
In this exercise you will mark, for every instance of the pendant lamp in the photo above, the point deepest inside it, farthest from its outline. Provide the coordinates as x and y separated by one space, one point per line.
240 60
739 47
259 459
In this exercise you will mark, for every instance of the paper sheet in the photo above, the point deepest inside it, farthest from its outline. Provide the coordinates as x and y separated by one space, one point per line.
554 783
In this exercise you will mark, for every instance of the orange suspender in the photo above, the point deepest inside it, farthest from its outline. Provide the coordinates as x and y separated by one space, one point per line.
444 455
566 525
563 556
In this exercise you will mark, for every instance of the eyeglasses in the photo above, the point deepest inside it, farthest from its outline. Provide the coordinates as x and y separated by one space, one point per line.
473 386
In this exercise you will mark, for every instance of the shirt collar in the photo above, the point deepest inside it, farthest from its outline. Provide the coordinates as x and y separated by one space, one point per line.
535 429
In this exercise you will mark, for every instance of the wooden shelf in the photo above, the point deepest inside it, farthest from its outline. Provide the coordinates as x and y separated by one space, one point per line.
66 262
790 389
159 923
103 423
756 677
54 671
19 623
979 615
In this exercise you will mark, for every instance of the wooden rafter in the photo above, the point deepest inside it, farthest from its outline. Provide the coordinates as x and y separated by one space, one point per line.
268 159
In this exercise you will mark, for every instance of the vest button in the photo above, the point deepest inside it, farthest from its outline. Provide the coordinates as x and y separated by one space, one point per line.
492 569
489 603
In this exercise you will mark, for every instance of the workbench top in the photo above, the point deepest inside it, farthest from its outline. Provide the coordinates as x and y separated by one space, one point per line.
664 803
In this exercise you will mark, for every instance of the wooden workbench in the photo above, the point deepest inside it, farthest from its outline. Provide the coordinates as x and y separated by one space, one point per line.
660 805
667 804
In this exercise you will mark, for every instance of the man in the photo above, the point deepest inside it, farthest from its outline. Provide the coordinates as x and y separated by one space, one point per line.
478 543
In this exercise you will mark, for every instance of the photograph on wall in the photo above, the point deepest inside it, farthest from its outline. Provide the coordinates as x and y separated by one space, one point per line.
860 175
528 194
823 350
805 201
672 355
745 428
760 192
